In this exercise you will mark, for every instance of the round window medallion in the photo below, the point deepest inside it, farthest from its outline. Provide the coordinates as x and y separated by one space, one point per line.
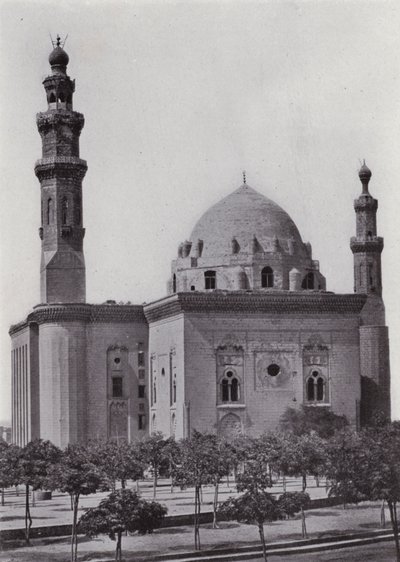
117 360
229 374
273 370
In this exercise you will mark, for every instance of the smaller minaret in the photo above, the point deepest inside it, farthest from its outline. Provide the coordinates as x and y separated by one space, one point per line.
366 245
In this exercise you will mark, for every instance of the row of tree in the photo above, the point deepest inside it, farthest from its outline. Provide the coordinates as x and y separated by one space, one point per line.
312 442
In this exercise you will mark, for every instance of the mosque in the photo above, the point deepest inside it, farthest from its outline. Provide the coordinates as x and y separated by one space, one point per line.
246 330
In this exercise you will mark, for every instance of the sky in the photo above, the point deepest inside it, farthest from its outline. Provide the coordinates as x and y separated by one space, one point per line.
179 98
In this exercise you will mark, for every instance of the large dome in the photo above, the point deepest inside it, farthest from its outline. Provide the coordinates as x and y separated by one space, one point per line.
243 215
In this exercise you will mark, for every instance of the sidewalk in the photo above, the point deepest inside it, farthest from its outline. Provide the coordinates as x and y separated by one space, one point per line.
321 523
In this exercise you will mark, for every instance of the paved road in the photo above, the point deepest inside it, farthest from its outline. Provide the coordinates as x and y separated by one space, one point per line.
380 552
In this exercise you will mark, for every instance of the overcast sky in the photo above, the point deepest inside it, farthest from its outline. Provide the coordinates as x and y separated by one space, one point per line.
179 98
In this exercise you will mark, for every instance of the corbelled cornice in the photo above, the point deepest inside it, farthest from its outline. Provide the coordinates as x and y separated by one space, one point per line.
87 313
54 166
242 302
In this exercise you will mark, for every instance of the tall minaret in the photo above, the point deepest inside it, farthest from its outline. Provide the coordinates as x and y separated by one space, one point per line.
60 172
366 245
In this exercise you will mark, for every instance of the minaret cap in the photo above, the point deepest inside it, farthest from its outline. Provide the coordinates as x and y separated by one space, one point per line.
58 57
364 174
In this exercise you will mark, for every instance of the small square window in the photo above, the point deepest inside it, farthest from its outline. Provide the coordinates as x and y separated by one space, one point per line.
141 358
141 373
117 387
141 389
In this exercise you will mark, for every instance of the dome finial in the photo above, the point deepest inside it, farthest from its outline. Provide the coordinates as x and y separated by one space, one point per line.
364 174
244 177
58 58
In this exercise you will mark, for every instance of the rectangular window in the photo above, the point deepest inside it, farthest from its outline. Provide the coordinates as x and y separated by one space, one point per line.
141 421
210 280
141 389
117 387
141 373
141 358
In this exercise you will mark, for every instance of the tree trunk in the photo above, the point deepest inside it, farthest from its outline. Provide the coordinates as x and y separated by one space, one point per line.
304 482
172 479
118 550
383 518
33 498
137 486
155 483
317 480
393 518
197 517
123 483
28 518
284 483
262 538
74 536
2 497
215 506
303 524
201 494
71 497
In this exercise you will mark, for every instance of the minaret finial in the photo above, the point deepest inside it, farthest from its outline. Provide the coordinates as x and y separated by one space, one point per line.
244 177
364 174
58 40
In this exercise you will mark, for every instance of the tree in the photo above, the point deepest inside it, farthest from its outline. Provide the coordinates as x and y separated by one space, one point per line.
381 469
346 468
153 451
198 466
9 466
254 506
122 511
308 419
77 475
117 460
35 462
291 503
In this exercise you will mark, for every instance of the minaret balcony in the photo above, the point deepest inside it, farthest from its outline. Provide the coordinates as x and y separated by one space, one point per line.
366 244
48 168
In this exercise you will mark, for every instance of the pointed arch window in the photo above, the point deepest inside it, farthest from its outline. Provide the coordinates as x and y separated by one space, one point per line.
64 211
210 280
308 281
49 211
174 283
267 277
230 387
316 387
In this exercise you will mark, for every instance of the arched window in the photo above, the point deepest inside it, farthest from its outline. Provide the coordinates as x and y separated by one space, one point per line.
267 277
52 98
64 211
49 211
61 97
78 209
154 390
210 280
174 283
316 387
230 388
154 422
308 281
